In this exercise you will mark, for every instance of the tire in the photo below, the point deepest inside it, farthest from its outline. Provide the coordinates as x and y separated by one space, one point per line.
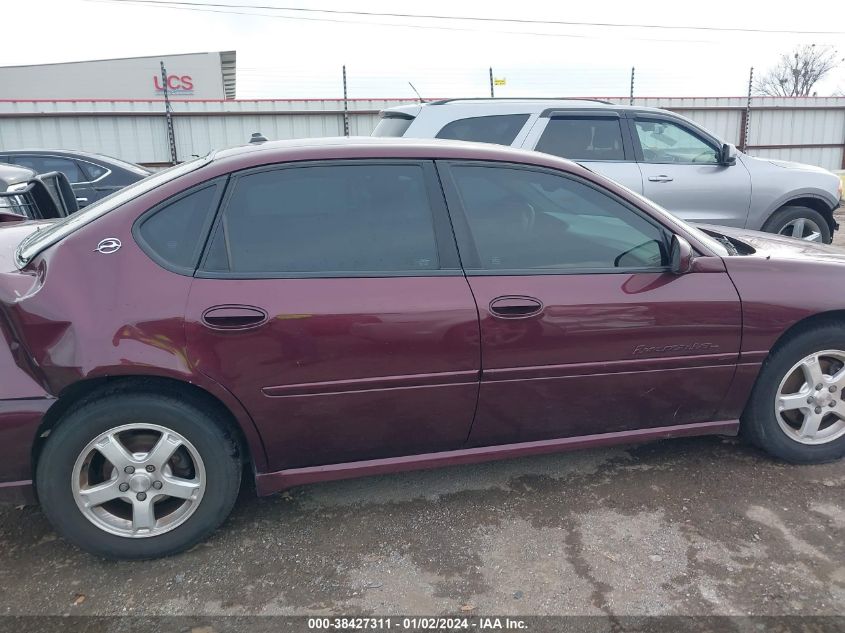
772 421
204 470
786 221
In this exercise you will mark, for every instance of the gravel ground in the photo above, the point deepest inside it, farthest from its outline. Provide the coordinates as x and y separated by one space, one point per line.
839 236
694 526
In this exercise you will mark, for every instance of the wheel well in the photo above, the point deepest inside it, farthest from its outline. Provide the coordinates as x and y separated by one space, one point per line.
808 323
816 204
834 317
86 390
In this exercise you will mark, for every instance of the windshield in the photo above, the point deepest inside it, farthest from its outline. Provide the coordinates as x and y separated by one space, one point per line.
56 231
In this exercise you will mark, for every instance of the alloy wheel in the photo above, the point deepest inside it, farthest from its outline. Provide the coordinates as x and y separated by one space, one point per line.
138 480
802 228
809 405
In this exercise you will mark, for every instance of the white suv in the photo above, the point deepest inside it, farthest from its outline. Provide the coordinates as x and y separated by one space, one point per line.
654 152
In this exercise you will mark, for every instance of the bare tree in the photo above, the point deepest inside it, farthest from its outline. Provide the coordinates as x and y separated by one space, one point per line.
797 72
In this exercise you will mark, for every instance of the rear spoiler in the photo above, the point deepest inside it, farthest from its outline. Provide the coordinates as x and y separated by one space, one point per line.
46 196
393 114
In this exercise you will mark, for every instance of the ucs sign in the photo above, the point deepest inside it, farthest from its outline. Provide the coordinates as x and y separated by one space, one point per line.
176 84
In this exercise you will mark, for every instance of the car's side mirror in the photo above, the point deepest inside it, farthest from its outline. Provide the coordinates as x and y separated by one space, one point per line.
682 256
728 154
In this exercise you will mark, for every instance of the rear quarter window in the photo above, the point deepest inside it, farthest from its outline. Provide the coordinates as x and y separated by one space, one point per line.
174 232
501 128
92 171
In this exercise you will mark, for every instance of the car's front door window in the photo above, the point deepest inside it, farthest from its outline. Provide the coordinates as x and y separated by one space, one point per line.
521 219
665 142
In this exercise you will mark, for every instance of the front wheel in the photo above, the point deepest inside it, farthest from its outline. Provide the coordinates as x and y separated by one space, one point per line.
802 223
797 411
133 476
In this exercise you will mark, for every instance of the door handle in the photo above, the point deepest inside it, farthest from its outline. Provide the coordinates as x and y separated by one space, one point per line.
515 307
661 178
233 317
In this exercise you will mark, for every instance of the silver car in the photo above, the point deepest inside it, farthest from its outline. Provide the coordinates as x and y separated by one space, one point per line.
654 152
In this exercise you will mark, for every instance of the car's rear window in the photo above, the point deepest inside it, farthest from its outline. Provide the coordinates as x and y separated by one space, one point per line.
499 128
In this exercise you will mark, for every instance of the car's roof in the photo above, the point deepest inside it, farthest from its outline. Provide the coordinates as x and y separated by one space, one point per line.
508 106
382 147
538 101
337 141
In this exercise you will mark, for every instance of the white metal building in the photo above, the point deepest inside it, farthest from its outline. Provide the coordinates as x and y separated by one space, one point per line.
193 75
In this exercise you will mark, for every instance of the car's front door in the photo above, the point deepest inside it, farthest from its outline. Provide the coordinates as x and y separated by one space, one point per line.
681 171
584 328
597 139
331 303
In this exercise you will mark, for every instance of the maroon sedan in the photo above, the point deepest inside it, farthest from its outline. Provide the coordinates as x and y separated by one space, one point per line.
319 310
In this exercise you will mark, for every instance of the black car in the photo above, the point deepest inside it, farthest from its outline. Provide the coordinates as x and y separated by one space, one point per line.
92 176
25 194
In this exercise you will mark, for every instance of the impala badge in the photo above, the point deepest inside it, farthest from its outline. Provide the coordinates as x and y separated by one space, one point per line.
108 245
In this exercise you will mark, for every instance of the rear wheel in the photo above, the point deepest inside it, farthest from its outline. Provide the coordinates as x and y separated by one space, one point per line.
797 411
801 223
138 475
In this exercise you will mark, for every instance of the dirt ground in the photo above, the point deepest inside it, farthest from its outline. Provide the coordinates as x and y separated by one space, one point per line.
694 526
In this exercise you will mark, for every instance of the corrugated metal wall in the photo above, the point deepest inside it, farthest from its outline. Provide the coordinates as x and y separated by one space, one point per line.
807 129
810 130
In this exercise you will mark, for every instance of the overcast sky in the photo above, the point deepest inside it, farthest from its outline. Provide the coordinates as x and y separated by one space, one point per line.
279 57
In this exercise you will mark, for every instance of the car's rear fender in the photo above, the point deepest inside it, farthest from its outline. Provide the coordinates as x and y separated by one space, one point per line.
24 398
72 317
205 392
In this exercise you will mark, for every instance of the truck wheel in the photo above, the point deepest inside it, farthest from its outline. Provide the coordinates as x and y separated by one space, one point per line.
800 222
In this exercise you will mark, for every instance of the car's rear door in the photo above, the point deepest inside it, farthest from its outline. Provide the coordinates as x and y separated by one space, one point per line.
584 328
331 302
681 171
598 139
